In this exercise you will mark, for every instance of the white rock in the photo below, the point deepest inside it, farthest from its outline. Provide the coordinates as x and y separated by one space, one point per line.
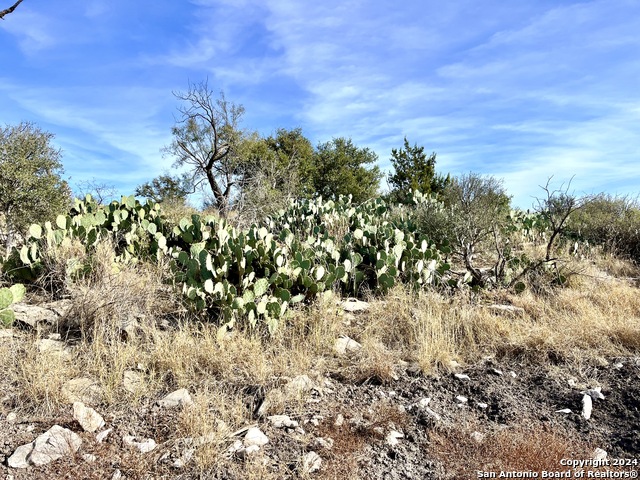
353 305
564 410
89 458
103 435
235 447
83 390
478 437
506 308
19 459
424 402
345 344
117 475
87 417
179 398
51 445
185 458
595 393
326 443
284 421
339 421
143 446
587 406
513 374
247 451
618 365
311 462
254 436
52 347
461 376
599 454
11 417
299 385
432 413
132 381
462 399
482 405
496 371
393 438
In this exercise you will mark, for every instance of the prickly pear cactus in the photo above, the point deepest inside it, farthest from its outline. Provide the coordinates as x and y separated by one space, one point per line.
8 296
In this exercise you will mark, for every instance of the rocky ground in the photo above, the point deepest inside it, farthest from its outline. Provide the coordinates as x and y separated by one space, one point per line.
365 430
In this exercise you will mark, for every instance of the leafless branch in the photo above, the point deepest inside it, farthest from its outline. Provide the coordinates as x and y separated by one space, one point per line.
9 10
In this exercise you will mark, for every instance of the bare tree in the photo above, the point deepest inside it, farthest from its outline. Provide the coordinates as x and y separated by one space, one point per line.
207 139
9 10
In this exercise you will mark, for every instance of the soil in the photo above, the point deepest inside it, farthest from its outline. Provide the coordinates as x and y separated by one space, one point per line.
358 418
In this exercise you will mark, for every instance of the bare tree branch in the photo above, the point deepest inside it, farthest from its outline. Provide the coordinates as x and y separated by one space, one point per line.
10 9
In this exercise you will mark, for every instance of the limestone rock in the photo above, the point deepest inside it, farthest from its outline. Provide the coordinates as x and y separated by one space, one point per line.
461 376
354 305
345 344
87 417
393 438
132 381
143 446
311 462
83 390
282 421
51 445
33 315
101 437
587 406
254 436
179 398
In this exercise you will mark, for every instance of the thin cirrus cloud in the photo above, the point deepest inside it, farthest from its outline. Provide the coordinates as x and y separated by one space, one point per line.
520 90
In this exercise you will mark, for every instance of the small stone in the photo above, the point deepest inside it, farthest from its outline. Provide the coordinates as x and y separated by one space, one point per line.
117 475
564 410
254 436
298 386
83 390
432 413
424 402
595 393
250 450
462 399
89 458
235 447
453 365
345 344
461 376
599 454
185 458
393 438
339 421
143 446
496 371
587 406
283 421
513 374
618 365
19 457
477 437
46 345
132 381
103 435
311 462
353 305
87 417
11 417
179 398
326 443
482 405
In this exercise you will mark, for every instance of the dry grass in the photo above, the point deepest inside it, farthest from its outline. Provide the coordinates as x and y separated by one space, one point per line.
112 328
520 449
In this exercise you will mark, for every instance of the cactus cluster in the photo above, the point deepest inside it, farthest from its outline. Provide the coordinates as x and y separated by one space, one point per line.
311 247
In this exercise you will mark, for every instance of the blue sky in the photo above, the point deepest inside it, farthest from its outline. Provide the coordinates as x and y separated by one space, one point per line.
522 90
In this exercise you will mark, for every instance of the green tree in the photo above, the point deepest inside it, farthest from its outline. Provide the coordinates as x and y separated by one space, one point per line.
207 139
414 170
31 187
341 168
166 188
